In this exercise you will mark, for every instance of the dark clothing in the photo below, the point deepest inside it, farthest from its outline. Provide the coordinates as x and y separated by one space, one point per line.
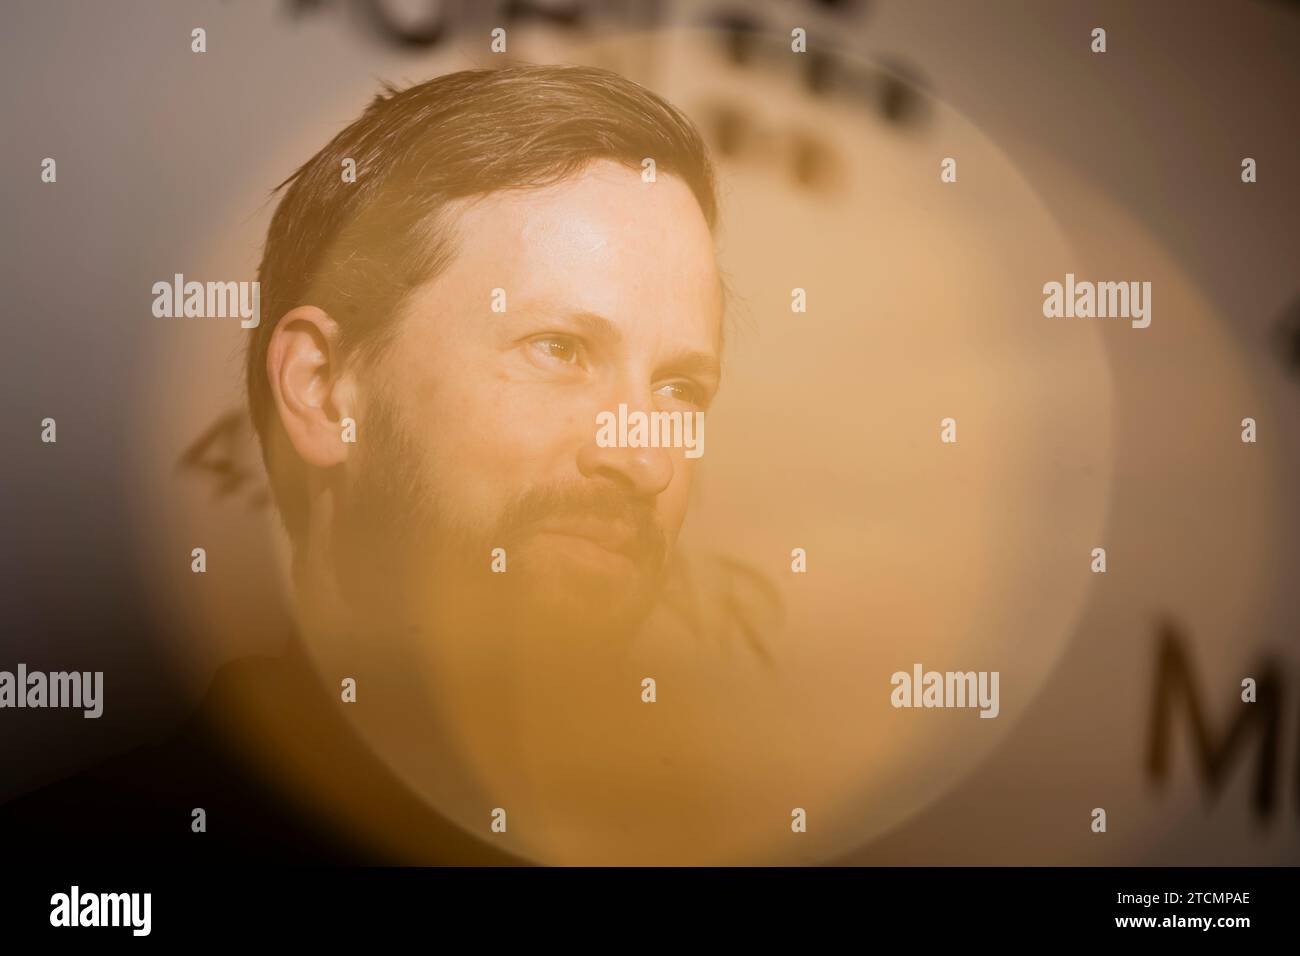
138 806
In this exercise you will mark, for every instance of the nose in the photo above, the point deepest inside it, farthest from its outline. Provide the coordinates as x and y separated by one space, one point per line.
641 472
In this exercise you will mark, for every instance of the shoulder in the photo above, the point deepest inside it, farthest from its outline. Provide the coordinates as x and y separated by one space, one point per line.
141 803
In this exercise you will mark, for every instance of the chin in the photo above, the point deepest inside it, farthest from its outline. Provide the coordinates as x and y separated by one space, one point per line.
582 593
584 607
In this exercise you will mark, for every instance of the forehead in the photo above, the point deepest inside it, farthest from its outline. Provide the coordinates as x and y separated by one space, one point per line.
602 241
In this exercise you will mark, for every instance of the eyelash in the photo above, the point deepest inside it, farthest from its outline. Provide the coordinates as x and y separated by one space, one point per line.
572 343
695 393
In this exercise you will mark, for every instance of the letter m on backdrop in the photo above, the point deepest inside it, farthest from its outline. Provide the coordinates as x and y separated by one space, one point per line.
1215 753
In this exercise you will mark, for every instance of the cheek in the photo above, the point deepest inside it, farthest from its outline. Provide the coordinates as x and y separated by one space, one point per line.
489 438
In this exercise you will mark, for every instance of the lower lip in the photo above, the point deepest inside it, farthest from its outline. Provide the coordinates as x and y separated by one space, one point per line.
588 551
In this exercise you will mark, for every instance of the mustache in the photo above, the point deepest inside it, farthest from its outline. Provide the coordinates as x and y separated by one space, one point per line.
583 500
394 494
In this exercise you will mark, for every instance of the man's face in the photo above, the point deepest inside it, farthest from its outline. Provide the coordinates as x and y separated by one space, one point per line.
482 423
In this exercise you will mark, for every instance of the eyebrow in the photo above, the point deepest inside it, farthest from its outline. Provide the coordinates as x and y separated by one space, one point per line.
596 326
687 362
700 364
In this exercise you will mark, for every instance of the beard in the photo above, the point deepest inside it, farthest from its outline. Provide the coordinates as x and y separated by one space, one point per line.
580 561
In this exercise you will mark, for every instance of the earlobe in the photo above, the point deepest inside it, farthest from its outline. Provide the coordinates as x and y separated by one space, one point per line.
309 385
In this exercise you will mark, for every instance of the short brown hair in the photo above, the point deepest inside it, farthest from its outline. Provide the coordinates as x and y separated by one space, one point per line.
357 249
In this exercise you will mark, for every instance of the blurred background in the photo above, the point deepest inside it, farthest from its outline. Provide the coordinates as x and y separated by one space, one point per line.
924 302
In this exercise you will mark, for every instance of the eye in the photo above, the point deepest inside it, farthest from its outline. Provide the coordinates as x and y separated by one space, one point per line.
687 392
556 348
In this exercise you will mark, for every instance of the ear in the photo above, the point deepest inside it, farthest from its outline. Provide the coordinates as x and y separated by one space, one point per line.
313 392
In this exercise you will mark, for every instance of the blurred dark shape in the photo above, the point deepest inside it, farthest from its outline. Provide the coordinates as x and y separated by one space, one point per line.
898 93
739 36
746 597
1286 334
735 135
729 129
897 100
819 71
428 31
215 454
298 7
441 18
1215 754
892 90
569 14
725 600
813 162
436 19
